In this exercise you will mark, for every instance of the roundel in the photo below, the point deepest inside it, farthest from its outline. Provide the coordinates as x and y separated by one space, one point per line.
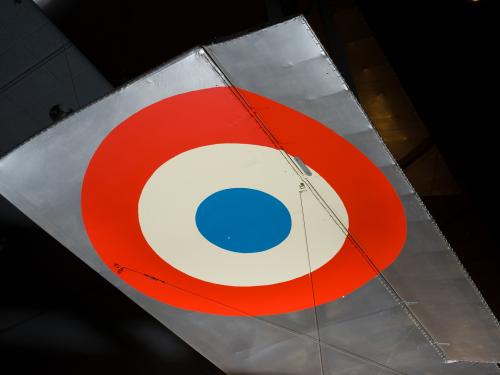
195 202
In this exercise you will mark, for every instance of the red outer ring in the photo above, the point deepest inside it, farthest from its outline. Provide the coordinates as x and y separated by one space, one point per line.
130 154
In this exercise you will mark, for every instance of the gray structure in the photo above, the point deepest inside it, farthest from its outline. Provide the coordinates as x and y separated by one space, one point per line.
41 69
423 315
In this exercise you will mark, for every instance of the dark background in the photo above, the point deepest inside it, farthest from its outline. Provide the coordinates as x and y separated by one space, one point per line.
443 53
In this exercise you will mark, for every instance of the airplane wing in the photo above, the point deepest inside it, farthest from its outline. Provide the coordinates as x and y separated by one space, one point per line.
240 195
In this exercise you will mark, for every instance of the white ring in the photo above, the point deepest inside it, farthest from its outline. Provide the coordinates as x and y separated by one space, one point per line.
170 198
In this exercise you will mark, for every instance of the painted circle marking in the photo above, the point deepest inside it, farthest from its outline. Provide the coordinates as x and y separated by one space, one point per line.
195 131
172 195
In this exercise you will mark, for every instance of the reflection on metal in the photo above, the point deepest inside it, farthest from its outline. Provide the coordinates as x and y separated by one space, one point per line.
421 315
302 166
388 107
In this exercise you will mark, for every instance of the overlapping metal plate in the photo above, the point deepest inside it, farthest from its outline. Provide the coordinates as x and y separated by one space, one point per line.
419 316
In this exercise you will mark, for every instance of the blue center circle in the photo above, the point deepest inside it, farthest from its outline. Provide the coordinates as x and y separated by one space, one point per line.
243 220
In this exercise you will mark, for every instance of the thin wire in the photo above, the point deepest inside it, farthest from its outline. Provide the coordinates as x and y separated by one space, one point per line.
119 268
302 190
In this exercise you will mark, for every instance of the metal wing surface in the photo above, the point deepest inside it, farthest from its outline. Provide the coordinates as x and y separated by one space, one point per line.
242 117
